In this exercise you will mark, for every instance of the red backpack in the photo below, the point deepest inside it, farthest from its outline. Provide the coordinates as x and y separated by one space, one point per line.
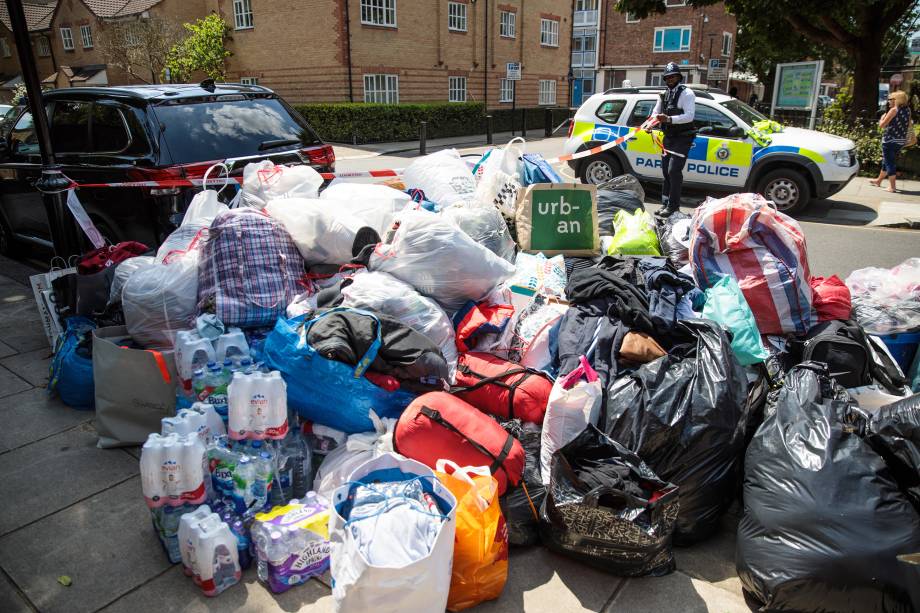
438 426
502 388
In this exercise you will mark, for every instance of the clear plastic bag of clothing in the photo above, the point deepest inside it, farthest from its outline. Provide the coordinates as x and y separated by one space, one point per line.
486 226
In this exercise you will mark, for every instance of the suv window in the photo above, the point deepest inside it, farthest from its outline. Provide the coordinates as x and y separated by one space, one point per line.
110 134
199 131
610 110
706 116
70 127
641 112
23 141
95 128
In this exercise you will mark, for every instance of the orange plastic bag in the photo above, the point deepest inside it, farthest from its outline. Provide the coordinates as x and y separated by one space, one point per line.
481 540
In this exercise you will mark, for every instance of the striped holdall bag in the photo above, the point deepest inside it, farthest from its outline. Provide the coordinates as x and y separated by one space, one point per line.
745 237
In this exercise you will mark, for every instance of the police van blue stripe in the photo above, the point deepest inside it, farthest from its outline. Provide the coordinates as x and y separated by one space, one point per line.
774 149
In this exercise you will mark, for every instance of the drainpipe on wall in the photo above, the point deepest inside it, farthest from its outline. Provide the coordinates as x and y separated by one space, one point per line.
485 62
351 93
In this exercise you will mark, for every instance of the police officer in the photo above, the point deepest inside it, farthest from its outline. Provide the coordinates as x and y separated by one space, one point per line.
674 111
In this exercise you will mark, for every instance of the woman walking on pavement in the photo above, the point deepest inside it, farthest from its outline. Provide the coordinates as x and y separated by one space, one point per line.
896 123
675 110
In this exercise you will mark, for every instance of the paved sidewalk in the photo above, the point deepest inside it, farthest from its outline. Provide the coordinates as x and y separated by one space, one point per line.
72 509
345 151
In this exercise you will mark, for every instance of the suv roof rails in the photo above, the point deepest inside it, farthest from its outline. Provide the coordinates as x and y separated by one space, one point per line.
702 93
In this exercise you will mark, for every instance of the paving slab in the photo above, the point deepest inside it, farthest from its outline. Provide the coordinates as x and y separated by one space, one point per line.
20 326
53 473
713 560
12 291
105 544
10 383
173 591
541 581
10 599
20 271
6 350
675 592
32 415
31 365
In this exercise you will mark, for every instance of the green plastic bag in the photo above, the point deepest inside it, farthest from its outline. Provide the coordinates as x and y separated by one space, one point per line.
634 234
725 305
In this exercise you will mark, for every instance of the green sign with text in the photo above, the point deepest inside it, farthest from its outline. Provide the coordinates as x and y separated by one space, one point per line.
562 218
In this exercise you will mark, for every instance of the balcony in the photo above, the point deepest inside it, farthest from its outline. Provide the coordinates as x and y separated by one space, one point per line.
586 58
585 18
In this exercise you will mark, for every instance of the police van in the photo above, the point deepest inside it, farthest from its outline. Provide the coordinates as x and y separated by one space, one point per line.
736 148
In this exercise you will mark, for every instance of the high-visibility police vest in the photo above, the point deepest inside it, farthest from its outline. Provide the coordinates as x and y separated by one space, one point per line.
670 102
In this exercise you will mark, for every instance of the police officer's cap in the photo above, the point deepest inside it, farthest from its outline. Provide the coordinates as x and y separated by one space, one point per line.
671 69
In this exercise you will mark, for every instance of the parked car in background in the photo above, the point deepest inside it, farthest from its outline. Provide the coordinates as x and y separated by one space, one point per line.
736 148
824 102
145 133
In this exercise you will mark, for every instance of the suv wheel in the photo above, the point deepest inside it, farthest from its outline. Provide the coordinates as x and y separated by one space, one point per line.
786 188
600 169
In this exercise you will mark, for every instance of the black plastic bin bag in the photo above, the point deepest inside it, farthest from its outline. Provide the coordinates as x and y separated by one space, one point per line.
521 504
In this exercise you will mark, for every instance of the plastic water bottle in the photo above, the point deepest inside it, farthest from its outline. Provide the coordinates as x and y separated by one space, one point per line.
200 385
245 366
218 380
299 465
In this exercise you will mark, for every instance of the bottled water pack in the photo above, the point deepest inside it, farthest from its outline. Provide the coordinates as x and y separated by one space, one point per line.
258 406
166 524
174 470
292 542
242 476
200 419
209 551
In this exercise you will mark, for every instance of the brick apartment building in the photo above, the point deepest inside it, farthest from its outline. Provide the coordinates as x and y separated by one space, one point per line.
637 49
331 50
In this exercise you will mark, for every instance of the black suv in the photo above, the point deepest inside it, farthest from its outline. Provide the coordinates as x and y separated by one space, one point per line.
145 133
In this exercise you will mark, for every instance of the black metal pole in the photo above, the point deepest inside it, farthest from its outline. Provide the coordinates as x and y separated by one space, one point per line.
488 129
523 122
422 137
63 231
547 123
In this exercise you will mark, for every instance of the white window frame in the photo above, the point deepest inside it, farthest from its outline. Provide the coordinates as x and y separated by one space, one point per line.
681 49
456 16
242 15
547 92
456 89
680 3
656 80
381 87
67 39
507 24
86 36
44 46
506 91
5 47
727 37
249 80
633 20
387 11
549 32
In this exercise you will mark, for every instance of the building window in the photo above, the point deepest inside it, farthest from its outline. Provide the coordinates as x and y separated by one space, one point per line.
456 89
249 81
631 18
67 39
242 14
654 80
5 47
506 92
86 33
673 3
382 88
131 37
378 12
44 46
726 43
584 46
585 12
456 16
549 32
672 39
507 24
547 92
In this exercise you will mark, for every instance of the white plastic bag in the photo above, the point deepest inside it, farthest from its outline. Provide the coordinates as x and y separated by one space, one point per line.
486 226
160 299
418 580
201 211
443 176
574 402
264 182
375 205
500 167
383 293
887 301
322 232
123 272
358 449
439 260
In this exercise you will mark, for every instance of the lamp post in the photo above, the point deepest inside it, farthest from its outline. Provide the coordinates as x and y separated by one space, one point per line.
52 181
570 77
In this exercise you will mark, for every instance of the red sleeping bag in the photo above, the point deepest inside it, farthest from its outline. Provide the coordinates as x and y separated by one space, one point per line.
438 426
502 388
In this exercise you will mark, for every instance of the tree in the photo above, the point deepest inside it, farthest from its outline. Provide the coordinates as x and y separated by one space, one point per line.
855 30
139 47
204 49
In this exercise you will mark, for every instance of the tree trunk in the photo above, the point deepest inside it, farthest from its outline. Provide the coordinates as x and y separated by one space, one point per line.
868 54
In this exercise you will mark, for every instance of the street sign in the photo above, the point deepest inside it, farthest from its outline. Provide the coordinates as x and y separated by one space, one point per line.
718 70
513 70
797 86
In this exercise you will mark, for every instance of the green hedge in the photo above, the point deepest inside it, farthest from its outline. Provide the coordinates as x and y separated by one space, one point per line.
361 123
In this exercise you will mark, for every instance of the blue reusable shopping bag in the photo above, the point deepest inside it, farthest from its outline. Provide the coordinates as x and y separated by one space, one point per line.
71 371
535 169
725 305
325 391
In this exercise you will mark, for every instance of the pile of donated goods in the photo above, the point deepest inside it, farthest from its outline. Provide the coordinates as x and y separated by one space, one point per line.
392 383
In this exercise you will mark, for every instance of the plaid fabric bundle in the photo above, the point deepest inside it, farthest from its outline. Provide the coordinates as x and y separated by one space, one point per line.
249 269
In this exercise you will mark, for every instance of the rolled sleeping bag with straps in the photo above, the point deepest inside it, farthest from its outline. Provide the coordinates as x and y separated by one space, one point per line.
502 388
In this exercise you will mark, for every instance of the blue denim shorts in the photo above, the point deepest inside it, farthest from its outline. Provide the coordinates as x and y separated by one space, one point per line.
890 153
